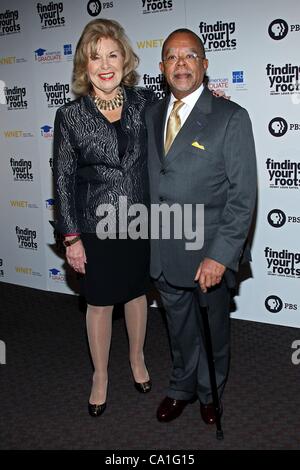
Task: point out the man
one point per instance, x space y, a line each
201 151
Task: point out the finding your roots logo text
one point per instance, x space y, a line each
51 14
56 95
283 80
282 263
9 22
26 238
21 169
155 83
15 98
283 174
218 36
156 6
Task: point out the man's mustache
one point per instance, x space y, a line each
183 72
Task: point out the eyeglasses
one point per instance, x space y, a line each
191 58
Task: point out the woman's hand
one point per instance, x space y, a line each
75 255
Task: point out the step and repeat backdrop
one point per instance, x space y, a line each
254 60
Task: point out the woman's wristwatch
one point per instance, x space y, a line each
71 242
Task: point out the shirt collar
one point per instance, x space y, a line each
190 99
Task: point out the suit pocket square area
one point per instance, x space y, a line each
198 146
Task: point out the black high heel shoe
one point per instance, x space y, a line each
96 410
143 387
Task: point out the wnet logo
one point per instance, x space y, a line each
26 238
57 95
276 218
156 6
283 263
26 271
15 98
23 270
218 36
8 60
21 169
150 43
20 204
283 80
283 174
51 14
155 83
9 22
15 134
278 29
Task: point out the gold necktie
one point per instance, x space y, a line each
174 125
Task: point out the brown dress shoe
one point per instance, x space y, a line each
170 409
208 412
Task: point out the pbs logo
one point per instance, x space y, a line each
94 7
273 304
278 127
276 218
278 29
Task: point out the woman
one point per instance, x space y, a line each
99 156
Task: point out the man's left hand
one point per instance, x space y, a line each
209 273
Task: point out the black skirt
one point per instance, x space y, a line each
117 271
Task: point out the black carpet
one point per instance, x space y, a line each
45 384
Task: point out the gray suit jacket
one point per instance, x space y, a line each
220 173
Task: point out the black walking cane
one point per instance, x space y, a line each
203 305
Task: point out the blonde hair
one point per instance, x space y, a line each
87 45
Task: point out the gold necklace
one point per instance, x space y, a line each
110 105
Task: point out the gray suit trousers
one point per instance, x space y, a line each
190 374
